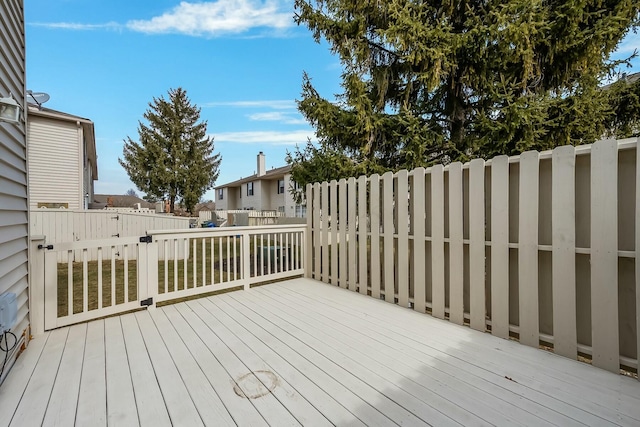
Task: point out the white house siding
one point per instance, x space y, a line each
255 201
276 201
14 231
54 162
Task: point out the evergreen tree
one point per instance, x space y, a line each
174 158
432 81
624 97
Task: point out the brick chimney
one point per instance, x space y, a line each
261 169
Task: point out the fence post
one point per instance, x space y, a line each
36 285
246 260
148 272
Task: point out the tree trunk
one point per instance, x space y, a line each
455 112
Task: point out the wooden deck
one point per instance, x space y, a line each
301 352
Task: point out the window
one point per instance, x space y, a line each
249 188
220 193
281 186
281 209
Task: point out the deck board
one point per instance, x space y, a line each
339 358
208 403
61 409
453 391
33 405
149 400
120 399
563 379
91 409
21 374
295 374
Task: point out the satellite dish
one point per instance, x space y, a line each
37 97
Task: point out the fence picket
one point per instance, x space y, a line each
528 249
456 244
604 255
333 213
388 240
351 224
563 221
308 271
402 265
418 227
324 206
500 246
317 236
437 241
374 210
342 206
476 245
362 234
637 255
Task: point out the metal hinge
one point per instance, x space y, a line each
146 239
115 235
146 302
49 247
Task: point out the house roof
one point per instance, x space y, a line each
628 78
87 128
269 175
55 114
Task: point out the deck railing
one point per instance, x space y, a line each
69 286
542 247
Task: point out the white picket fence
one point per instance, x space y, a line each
78 289
60 226
541 246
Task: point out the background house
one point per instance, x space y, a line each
62 159
14 215
266 190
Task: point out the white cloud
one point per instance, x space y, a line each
288 118
279 104
77 26
216 18
628 45
266 137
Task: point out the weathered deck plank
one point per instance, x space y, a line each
594 391
339 358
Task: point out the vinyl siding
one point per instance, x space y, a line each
13 170
54 162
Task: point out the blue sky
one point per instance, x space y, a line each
241 61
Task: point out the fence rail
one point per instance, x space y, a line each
541 246
161 266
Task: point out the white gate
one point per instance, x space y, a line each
77 289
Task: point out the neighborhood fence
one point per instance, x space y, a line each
71 226
145 273
240 217
541 246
